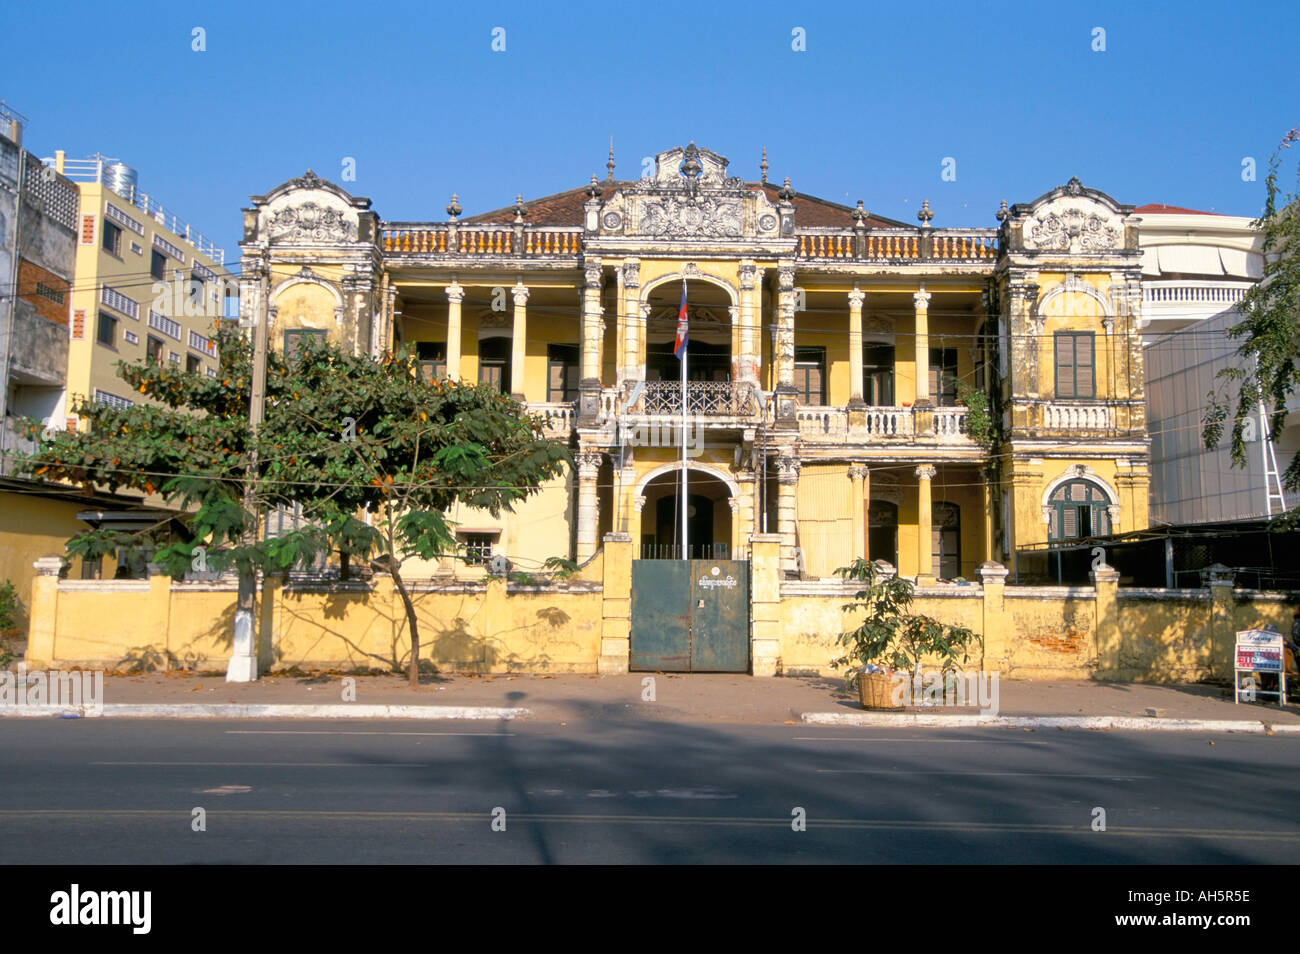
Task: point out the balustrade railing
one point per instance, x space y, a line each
970 245
707 398
1082 417
476 240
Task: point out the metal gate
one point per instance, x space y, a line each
690 615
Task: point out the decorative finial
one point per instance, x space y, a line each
594 189
860 214
519 207
763 166
785 193
1074 186
691 167
610 164
453 208
925 215
1002 214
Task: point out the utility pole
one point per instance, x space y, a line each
243 657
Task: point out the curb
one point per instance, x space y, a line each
244 711
1125 723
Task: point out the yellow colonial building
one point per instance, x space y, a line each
858 387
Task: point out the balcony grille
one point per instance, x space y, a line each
709 398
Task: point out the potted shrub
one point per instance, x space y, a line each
890 639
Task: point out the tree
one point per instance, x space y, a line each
369 454
1269 330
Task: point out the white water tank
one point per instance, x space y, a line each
121 178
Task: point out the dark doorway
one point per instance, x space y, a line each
882 531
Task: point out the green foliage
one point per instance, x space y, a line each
342 435
8 605
980 425
890 636
561 568
1269 331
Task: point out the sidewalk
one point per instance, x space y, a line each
677 697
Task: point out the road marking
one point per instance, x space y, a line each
324 732
910 741
1116 775
281 764
481 818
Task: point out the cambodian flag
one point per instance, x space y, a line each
679 345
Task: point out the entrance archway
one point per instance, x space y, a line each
708 521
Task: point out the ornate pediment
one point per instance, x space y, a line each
690 196
1071 219
309 210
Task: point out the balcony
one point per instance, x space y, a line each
557 417
443 240
903 425
898 246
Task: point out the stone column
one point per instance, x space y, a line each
743 516
784 356
924 515
858 474
1223 636
592 334
630 358
455 295
922 328
591 330
856 298
588 503
519 342
788 483
749 357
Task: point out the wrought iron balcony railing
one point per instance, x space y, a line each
706 398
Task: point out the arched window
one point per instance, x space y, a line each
1078 509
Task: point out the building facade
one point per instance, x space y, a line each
933 397
147 286
1197 267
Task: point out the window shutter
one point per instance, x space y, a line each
1065 376
1071 523
1084 366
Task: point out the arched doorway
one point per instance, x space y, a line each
711 356
708 517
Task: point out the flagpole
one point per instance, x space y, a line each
686 550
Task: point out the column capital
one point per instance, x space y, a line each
925 472
520 293
856 298
591 273
747 274
859 472
921 299
785 277
788 469
455 292
632 273
588 464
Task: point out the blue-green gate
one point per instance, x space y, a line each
690 615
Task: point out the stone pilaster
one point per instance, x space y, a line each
588 503
921 301
787 487
592 334
924 534
519 343
783 357
856 298
858 474
455 295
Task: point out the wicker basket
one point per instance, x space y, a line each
874 690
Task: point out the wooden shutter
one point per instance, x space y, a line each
1065 377
1083 366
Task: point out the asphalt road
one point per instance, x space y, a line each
124 792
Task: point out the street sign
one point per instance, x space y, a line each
1259 650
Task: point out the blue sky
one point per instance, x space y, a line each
870 109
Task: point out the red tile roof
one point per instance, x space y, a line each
565 208
1157 209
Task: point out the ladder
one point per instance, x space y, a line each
1273 493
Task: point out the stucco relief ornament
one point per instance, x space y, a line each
1073 229
682 218
311 222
